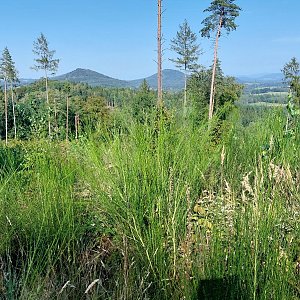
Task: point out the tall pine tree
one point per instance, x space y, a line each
187 49
13 80
9 75
223 14
47 63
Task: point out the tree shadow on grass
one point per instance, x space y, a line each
230 288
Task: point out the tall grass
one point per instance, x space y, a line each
154 211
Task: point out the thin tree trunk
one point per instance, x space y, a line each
5 109
212 88
55 117
159 56
76 126
185 96
13 109
48 106
76 134
67 120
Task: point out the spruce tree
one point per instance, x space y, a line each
223 14
13 80
187 49
9 75
47 63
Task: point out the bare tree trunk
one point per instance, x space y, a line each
159 56
185 96
48 106
13 109
67 120
76 131
76 126
5 109
55 118
78 118
212 88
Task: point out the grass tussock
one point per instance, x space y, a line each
155 211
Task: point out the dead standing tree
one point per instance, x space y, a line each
159 55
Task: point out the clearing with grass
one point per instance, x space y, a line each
182 185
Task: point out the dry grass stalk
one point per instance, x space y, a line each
246 186
65 286
223 156
280 173
91 285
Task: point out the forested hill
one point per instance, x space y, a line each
173 80
92 78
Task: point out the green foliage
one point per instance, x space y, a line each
32 119
186 47
293 118
224 10
228 91
94 111
293 110
7 67
96 107
44 60
143 103
32 111
291 72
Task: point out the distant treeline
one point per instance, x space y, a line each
269 90
265 97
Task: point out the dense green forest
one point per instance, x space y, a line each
141 193
99 107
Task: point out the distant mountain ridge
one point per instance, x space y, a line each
92 78
172 79
261 78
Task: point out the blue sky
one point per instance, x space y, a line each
118 37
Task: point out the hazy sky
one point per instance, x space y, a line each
118 37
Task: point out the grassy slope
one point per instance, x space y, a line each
154 212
